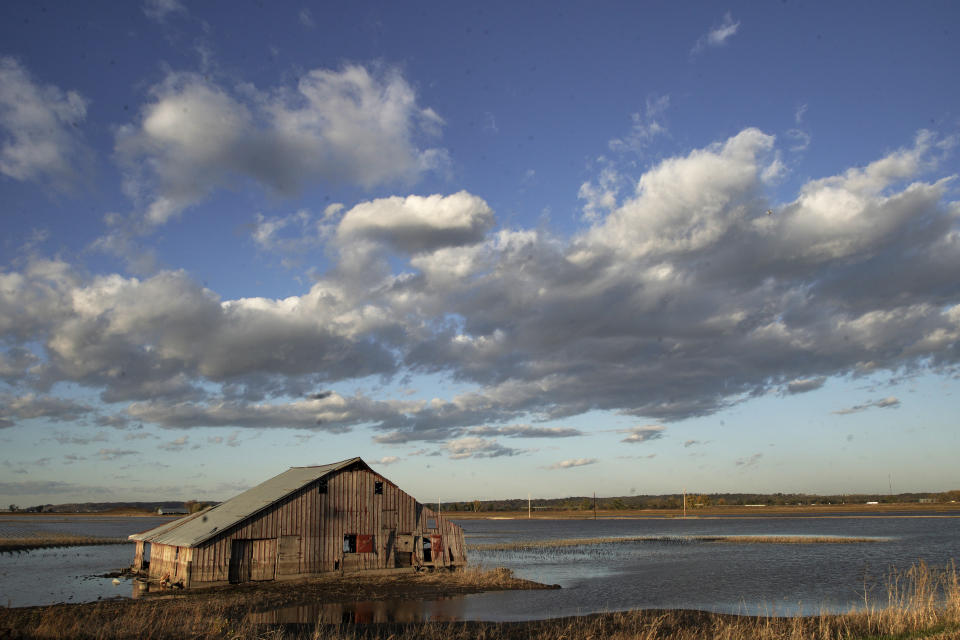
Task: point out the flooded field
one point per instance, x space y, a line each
670 569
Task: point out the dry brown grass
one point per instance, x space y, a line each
573 542
921 602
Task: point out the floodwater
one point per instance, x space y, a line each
783 579
67 574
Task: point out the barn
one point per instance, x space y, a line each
306 521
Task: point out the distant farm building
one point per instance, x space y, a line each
307 520
168 511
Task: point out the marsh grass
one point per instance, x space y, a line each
921 602
49 540
576 542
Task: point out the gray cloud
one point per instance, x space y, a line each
805 384
577 462
351 125
66 438
177 444
750 462
113 454
31 406
470 447
38 123
883 403
643 434
416 224
51 488
526 431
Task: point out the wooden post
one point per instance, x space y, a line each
684 503
594 505
528 506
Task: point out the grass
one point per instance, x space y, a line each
921 602
574 542
47 540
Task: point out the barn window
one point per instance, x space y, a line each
431 523
378 488
353 543
322 486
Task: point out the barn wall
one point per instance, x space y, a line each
138 556
171 562
309 529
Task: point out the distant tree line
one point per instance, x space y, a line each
694 501
191 506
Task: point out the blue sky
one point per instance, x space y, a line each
553 248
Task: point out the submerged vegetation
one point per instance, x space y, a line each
47 540
920 602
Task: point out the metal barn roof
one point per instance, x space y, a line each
200 527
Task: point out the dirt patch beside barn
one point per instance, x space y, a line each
406 585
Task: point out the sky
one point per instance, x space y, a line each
493 248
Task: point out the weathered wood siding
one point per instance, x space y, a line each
308 529
170 561
138 557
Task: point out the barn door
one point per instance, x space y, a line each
253 560
241 557
288 556
263 566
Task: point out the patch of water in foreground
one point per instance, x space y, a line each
64 574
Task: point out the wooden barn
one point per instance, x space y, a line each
308 520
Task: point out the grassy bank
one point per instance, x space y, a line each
921 602
26 543
574 542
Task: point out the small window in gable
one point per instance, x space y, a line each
322 486
378 488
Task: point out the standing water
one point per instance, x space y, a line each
674 572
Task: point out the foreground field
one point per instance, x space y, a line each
921 603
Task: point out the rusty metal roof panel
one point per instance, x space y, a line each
194 530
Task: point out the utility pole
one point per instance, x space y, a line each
528 506
594 505
684 502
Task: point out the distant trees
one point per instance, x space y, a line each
675 501
193 506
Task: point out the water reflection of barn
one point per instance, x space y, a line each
307 520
